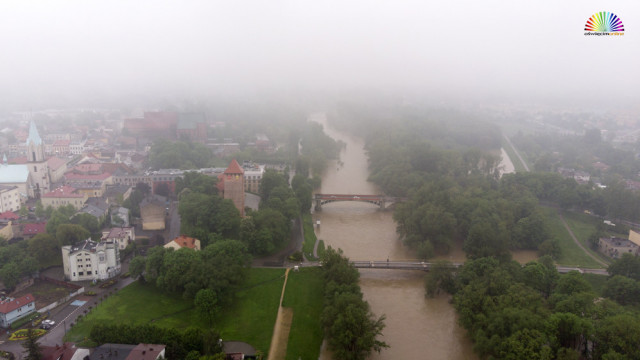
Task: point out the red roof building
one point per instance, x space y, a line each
9 215
146 352
33 229
183 241
14 309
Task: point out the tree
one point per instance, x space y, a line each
163 189
441 276
628 265
137 266
57 218
31 346
39 209
10 274
43 247
206 302
69 234
87 221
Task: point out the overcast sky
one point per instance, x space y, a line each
490 49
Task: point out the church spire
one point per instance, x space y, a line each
34 136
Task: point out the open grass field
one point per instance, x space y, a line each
583 226
305 294
309 237
517 164
572 255
250 318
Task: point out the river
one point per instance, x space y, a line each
416 327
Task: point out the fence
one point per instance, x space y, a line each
61 301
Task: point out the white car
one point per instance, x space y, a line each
47 324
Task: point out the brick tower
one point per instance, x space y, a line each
233 179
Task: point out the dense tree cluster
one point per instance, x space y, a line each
317 148
351 329
219 267
166 154
532 312
180 343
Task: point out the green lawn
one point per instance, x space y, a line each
572 255
305 294
583 227
517 164
309 237
253 315
250 318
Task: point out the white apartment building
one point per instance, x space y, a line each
90 260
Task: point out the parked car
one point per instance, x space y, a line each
47 324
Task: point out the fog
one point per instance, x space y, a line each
495 51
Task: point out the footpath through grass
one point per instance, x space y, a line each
572 254
305 294
250 318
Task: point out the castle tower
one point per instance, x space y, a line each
36 162
233 179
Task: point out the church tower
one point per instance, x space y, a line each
36 162
233 179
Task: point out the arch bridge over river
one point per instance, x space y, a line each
381 200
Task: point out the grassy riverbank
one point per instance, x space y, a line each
305 295
309 237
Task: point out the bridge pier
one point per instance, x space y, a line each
382 204
318 206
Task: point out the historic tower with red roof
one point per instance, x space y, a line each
233 183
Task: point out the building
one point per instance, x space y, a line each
614 247
90 260
68 351
122 236
183 241
10 198
192 127
30 230
57 168
36 162
231 184
14 309
17 175
128 352
64 195
153 215
61 147
252 176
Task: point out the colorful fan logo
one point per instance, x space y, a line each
604 22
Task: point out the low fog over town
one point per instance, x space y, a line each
319 180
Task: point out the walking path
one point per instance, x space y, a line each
278 348
566 226
526 167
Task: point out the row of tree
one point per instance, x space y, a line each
351 329
532 312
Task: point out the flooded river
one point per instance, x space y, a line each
417 327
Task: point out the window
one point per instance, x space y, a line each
88 272
80 273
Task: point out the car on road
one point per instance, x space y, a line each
47 324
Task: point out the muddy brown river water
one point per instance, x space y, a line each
416 327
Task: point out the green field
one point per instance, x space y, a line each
517 164
309 237
304 294
583 227
572 255
250 318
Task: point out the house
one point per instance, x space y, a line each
61 147
10 198
90 260
615 247
183 241
68 351
147 352
96 207
64 195
252 176
123 236
152 214
14 309
128 352
57 168
238 350
30 230
8 216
